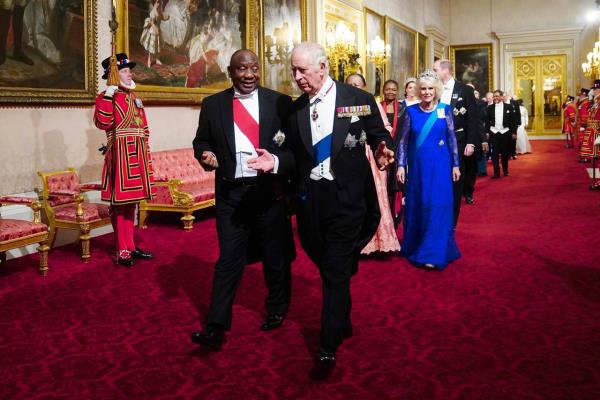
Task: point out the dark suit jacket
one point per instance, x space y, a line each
465 122
508 121
215 131
350 166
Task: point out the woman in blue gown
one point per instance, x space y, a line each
428 162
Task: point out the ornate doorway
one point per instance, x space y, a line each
540 81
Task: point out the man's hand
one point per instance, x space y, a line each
469 149
265 162
485 147
209 159
455 174
383 156
401 175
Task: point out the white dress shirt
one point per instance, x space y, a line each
447 94
324 103
244 150
499 119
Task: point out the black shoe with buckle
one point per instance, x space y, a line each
323 366
272 321
125 259
141 254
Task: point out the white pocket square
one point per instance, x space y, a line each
354 119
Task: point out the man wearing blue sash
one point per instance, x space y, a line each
338 211
428 162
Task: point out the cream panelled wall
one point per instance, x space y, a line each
41 138
519 25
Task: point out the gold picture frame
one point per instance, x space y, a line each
374 75
422 53
64 67
403 41
195 58
334 12
281 28
474 63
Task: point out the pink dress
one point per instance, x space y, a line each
385 238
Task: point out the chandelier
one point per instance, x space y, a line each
342 51
378 52
591 68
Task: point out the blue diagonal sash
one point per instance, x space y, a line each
323 149
428 125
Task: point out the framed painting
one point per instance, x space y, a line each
343 38
474 64
182 47
49 55
423 54
374 74
283 27
402 62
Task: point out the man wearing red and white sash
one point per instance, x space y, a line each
241 134
127 172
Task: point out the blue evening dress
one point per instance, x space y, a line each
428 161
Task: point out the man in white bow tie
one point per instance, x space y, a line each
468 139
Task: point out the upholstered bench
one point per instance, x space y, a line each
182 185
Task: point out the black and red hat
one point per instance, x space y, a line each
585 91
122 62
596 84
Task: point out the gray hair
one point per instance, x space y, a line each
315 51
433 81
446 64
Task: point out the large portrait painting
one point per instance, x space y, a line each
402 62
284 26
183 47
48 52
374 27
473 64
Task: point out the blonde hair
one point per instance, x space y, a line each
431 81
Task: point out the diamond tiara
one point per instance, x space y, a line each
428 74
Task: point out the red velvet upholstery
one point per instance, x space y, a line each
16 200
179 164
15 229
200 191
91 212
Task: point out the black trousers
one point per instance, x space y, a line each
329 226
467 178
470 172
502 149
248 216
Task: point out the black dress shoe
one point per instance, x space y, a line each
273 321
469 200
141 254
126 262
506 174
324 365
495 176
583 161
213 339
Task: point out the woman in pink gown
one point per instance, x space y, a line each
385 239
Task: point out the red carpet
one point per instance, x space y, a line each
518 317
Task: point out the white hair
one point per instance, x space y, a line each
315 51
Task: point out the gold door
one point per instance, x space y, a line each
540 82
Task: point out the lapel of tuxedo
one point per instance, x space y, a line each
264 122
304 123
455 94
227 119
341 125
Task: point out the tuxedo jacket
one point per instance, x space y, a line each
509 119
349 164
216 133
466 116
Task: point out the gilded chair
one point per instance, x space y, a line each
16 233
65 207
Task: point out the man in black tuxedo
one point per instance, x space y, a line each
501 124
337 210
516 110
464 108
241 134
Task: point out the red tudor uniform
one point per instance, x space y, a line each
592 127
127 171
582 118
569 118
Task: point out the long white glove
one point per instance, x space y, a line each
110 91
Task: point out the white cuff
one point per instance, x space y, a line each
276 165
